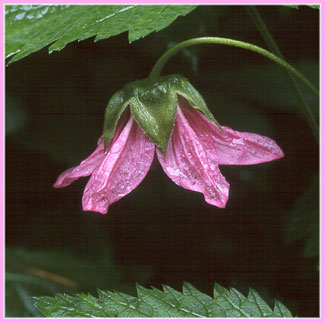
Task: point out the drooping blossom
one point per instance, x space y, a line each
195 150
116 170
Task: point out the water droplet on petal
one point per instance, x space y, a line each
238 141
115 149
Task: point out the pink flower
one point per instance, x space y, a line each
195 150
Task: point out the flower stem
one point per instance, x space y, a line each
155 72
267 36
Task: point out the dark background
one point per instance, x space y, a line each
54 115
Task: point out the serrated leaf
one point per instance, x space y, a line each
280 310
156 303
29 28
46 272
123 305
257 305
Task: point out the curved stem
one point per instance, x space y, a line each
155 72
264 31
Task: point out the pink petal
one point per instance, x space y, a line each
188 165
230 147
122 170
85 168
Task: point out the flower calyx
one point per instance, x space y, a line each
153 105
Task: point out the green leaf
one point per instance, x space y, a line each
29 28
156 303
46 272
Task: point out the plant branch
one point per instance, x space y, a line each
155 72
271 43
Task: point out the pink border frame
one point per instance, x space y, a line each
2 177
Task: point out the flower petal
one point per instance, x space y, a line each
85 168
188 165
230 147
122 170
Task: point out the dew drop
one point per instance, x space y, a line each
239 141
116 148
20 16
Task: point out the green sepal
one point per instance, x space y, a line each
154 106
183 87
116 106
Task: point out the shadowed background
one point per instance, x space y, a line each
266 237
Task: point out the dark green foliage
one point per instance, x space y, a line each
29 28
156 303
32 273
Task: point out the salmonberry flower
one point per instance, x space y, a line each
168 117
